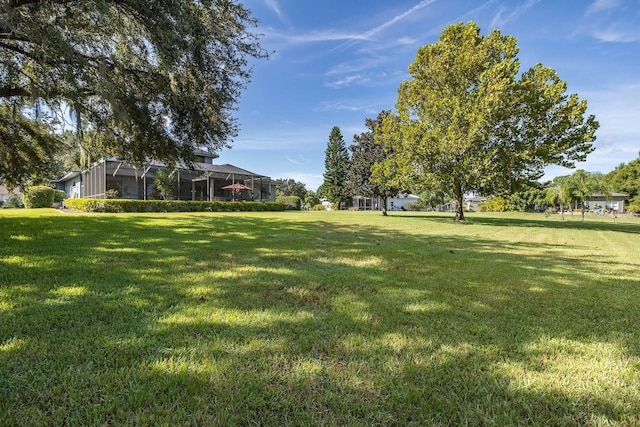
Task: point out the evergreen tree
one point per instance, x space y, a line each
335 165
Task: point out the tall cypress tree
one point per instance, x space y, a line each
335 165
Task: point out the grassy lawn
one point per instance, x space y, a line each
317 318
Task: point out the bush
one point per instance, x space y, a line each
495 204
416 206
634 204
291 202
59 196
112 193
129 205
39 196
318 207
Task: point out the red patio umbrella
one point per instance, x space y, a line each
236 188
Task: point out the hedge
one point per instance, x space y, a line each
129 205
59 196
38 196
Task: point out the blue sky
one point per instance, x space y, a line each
335 63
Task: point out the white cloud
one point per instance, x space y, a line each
502 17
290 160
600 5
616 108
275 7
342 106
369 34
406 41
398 18
312 37
608 21
311 180
349 81
616 35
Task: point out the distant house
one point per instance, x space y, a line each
471 203
205 181
399 202
7 193
396 203
608 202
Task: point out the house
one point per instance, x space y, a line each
205 181
399 202
607 202
8 193
396 203
471 203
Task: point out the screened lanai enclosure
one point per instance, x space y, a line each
124 181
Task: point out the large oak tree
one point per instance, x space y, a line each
154 78
467 120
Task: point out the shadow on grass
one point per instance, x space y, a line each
221 319
601 223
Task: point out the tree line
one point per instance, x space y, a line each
157 80
468 120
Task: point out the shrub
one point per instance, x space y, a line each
291 202
318 207
495 204
112 193
129 205
634 204
416 206
38 196
59 196
165 184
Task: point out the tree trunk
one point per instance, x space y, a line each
459 210
561 212
384 206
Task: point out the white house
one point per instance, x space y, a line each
399 202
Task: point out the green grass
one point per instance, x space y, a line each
318 318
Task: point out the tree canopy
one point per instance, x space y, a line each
625 178
291 187
467 120
155 79
366 152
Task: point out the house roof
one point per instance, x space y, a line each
228 169
200 169
205 153
608 194
405 196
68 176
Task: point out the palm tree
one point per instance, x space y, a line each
585 184
561 194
